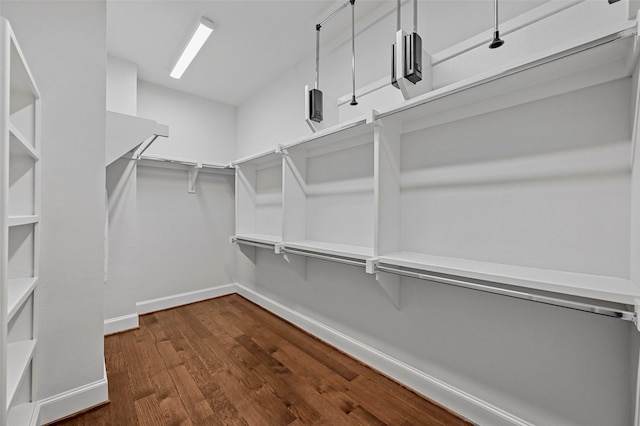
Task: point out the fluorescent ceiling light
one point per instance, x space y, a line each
199 36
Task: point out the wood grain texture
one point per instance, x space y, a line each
226 361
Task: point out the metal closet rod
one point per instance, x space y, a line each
328 18
487 287
339 259
254 243
183 162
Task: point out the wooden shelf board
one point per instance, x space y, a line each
20 144
23 220
598 287
260 238
22 414
334 249
19 290
19 355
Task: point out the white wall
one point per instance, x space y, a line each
122 86
199 129
183 238
120 288
64 43
544 364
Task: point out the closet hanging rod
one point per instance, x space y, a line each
339 259
487 287
238 240
328 18
184 162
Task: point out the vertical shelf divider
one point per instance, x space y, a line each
387 236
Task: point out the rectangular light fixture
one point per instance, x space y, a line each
199 36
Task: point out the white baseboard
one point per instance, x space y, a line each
122 323
73 401
168 302
463 403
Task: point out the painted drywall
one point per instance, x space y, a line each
544 364
120 287
122 86
183 238
199 129
65 46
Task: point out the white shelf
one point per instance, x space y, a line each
22 414
613 46
346 131
583 285
22 189
22 220
19 356
19 290
332 249
259 238
184 164
262 157
20 144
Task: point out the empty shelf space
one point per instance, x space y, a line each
20 144
23 220
331 249
19 356
597 287
19 290
21 414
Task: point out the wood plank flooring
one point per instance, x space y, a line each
227 361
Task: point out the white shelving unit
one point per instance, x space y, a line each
542 199
329 193
259 200
519 182
20 232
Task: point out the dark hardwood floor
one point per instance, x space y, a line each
227 361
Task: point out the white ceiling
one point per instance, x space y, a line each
256 40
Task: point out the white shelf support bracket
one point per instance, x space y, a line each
298 263
372 116
636 319
193 177
390 283
370 265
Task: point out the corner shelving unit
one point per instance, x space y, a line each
259 200
329 193
20 232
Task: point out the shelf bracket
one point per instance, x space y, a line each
298 263
193 176
390 283
636 318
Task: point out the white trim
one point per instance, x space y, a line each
461 402
121 323
73 401
168 302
